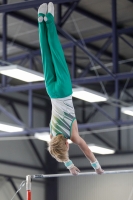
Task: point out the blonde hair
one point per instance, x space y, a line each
58 149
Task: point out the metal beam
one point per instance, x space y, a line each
26 5
4 41
96 17
68 13
73 64
37 86
85 50
115 63
128 43
128 94
93 126
98 55
104 112
41 176
11 116
91 15
23 102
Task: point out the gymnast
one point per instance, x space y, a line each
63 124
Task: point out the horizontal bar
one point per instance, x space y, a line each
40 176
25 5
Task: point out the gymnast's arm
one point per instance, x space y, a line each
83 146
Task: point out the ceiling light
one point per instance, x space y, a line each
21 73
45 137
100 150
127 110
88 95
10 128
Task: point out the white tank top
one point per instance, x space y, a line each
62 118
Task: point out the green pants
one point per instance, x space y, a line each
56 73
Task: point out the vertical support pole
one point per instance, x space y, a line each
28 187
51 169
73 61
4 42
30 100
115 62
58 14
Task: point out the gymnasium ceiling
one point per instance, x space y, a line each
23 37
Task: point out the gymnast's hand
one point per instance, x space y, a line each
99 171
74 170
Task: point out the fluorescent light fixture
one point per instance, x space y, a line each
42 136
45 137
10 128
127 110
88 95
111 64
100 150
21 73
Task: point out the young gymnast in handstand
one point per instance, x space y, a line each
63 123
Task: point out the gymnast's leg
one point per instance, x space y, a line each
63 85
48 68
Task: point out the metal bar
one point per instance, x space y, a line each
128 94
91 15
11 116
98 55
95 17
104 112
28 197
36 86
4 42
37 153
40 176
30 113
34 22
22 102
15 111
84 49
91 115
114 36
68 13
115 63
74 61
28 187
30 109
97 125
27 5
128 43
118 113
59 13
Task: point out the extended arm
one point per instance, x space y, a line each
83 146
